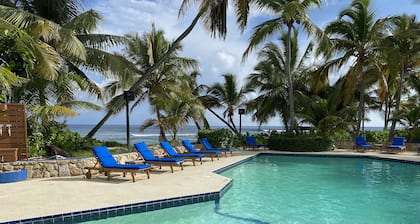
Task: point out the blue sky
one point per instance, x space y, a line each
216 56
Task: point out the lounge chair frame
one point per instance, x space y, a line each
107 171
360 143
177 155
156 163
209 147
252 142
398 143
190 149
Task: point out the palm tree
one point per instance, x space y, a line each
197 100
70 34
355 37
271 82
213 13
144 51
21 33
228 96
402 47
288 14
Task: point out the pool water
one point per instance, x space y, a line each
297 189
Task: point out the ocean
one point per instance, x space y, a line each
151 135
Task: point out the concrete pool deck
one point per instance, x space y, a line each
52 196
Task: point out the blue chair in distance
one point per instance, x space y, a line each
398 143
108 164
208 146
190 148
251 141
172 153
361 143
150 158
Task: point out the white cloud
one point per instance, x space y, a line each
216 56
227 59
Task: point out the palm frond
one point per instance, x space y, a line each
85 22
49 61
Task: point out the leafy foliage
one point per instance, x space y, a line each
217 137
59 135
299 143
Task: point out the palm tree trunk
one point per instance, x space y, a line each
290 81
197 125
99 125
162 135
386 117
360 108
233 124
147 74
397 104
224 121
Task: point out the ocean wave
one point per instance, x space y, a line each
157 135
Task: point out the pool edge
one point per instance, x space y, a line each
140 207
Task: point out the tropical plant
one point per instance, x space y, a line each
213 13
226 95
160 88
52 44
270 79
355 37
402 48
287 14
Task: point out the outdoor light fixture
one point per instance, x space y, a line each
240 111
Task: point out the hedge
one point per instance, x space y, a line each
217 137
299 143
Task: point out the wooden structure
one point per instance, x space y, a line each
13 135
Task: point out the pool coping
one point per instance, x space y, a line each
112 211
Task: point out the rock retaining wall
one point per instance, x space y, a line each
67 167
58 167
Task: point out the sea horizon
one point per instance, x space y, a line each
118 132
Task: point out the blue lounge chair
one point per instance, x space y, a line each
398 143
208 146
361 143
172 153
150 158
190 148
251 141
108 164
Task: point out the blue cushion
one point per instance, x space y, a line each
395 146
208 146
108 161
187 144
398 141
148 155
172 153
168 148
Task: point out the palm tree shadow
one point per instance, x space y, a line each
239 218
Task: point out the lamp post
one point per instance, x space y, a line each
128 96
240 111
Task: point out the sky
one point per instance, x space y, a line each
216 56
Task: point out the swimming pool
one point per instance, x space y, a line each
298 189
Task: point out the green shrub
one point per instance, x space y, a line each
414 135
60 136
36 143
376 136
299 143
217 137
342 135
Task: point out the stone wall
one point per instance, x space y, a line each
68 167
59 167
